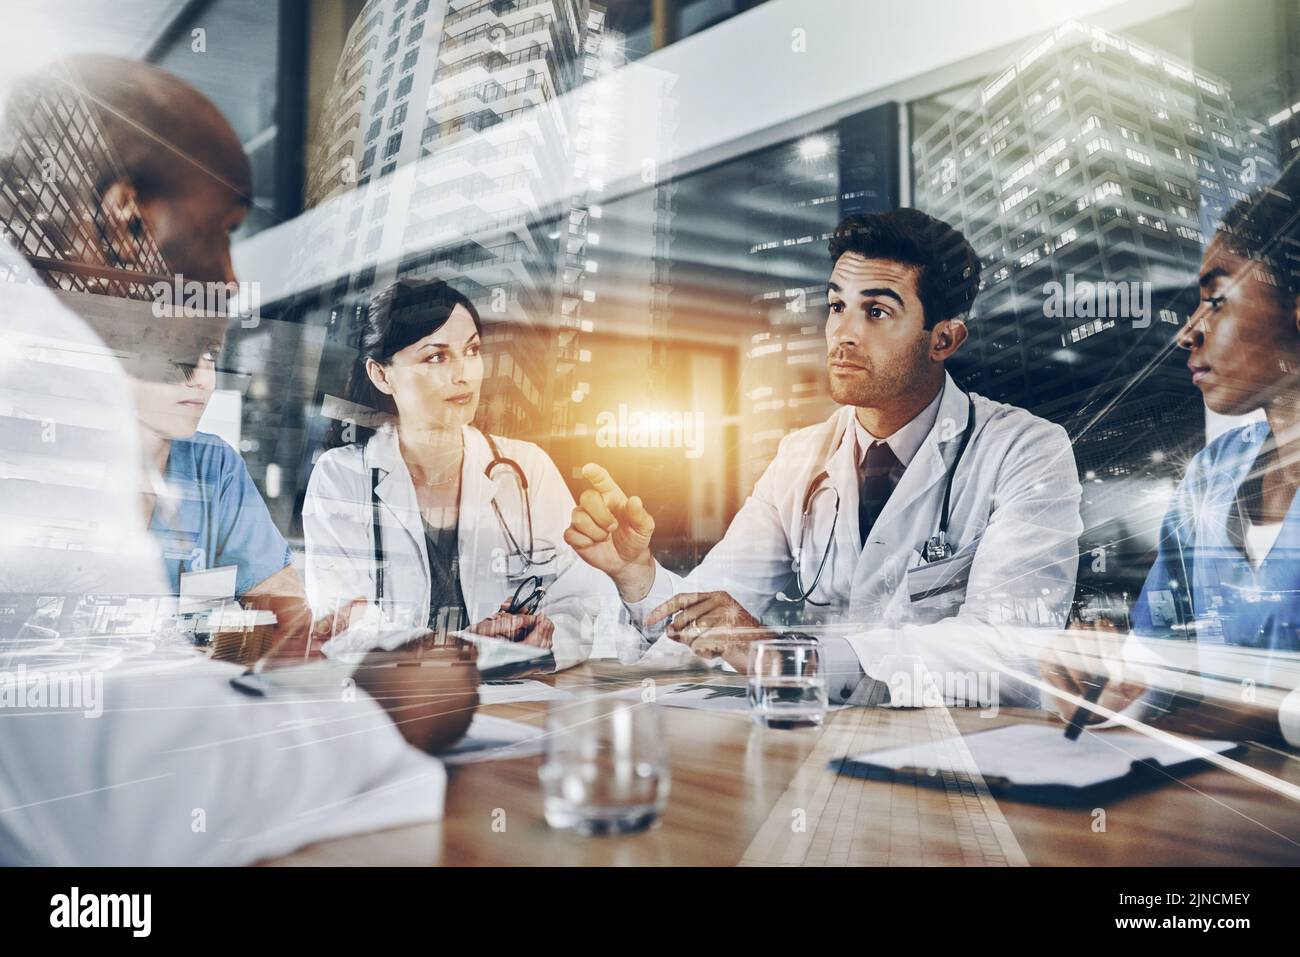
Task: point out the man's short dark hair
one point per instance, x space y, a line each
948 271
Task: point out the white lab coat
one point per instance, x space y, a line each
1014 531
183 770
338 528
174 766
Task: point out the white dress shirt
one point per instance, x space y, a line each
839 661
906 441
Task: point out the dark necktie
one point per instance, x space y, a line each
879 477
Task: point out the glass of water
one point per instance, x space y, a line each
606 765
787 686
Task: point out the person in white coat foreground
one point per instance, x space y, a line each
121 745
920 526
429 521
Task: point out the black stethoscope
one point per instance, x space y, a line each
936 549
523 557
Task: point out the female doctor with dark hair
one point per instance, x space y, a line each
428 520
1221 601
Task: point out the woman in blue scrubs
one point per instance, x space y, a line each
1228 567
203 508
207 513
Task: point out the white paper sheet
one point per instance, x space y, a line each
493 739
519 689
1035 754
702 696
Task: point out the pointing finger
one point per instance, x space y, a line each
604 483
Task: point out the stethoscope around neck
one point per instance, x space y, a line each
522 555
936 549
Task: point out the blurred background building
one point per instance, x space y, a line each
1097 163
638 193
467 95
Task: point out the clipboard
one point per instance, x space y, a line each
1035 763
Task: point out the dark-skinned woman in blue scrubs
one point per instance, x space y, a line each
1221 603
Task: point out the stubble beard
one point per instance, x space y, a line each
872 389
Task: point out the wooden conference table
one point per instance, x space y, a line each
745 795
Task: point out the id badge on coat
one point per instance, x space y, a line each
941 585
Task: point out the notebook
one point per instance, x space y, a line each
1036 763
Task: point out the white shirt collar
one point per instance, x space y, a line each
904 443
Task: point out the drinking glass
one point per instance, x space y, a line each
787 686
606 765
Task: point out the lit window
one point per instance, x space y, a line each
1137 156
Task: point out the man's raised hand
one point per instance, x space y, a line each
611 532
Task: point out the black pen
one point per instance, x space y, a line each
1095 687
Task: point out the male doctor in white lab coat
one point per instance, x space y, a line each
901 288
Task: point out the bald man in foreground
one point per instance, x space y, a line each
159 759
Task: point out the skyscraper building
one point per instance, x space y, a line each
1087 174
465 99
799 192
792 201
